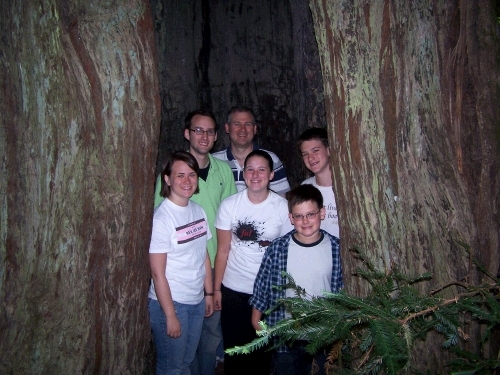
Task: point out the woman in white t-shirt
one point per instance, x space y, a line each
246 223
180 268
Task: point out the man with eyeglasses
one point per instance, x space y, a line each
215 183
242 127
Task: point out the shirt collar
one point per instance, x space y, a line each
230 156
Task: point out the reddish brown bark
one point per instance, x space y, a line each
412 96
80 120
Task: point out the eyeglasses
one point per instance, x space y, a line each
200 131
310 215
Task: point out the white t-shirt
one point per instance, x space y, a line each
310 265
182 233
331 222
253 227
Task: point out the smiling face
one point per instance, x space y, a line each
316 156
183 182
307 228
241 129
203 143
257 173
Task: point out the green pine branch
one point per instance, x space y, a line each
377 333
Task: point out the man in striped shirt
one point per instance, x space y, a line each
241 127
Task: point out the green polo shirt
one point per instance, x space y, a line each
218 186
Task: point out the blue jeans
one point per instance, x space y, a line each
211 337
173 356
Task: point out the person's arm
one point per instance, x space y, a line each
223 246
209 288
158 264
256 317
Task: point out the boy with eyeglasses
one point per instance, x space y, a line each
215 183
312 257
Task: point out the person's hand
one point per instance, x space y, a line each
209 306
173 327
256 318
256 325
217 300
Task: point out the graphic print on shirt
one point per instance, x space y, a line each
331 213
191 231
251 232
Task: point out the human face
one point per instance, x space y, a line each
307 229
316 156
200 144
257 174
183 182
241 129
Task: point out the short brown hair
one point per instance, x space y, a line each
318 134
201 112
304 193
184 156
239 108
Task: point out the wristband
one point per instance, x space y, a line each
208 294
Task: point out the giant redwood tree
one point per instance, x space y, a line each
412 92
411 97
79 114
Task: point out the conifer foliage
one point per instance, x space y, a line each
375 334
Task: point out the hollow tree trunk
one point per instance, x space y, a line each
412 104
80 118
262 54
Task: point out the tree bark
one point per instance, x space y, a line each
412 93
80 119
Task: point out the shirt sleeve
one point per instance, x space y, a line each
337 278
158 197
223 219
209 232
229 185
279 184
161 241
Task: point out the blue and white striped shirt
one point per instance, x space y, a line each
279 184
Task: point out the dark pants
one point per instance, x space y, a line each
297 361
237 330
